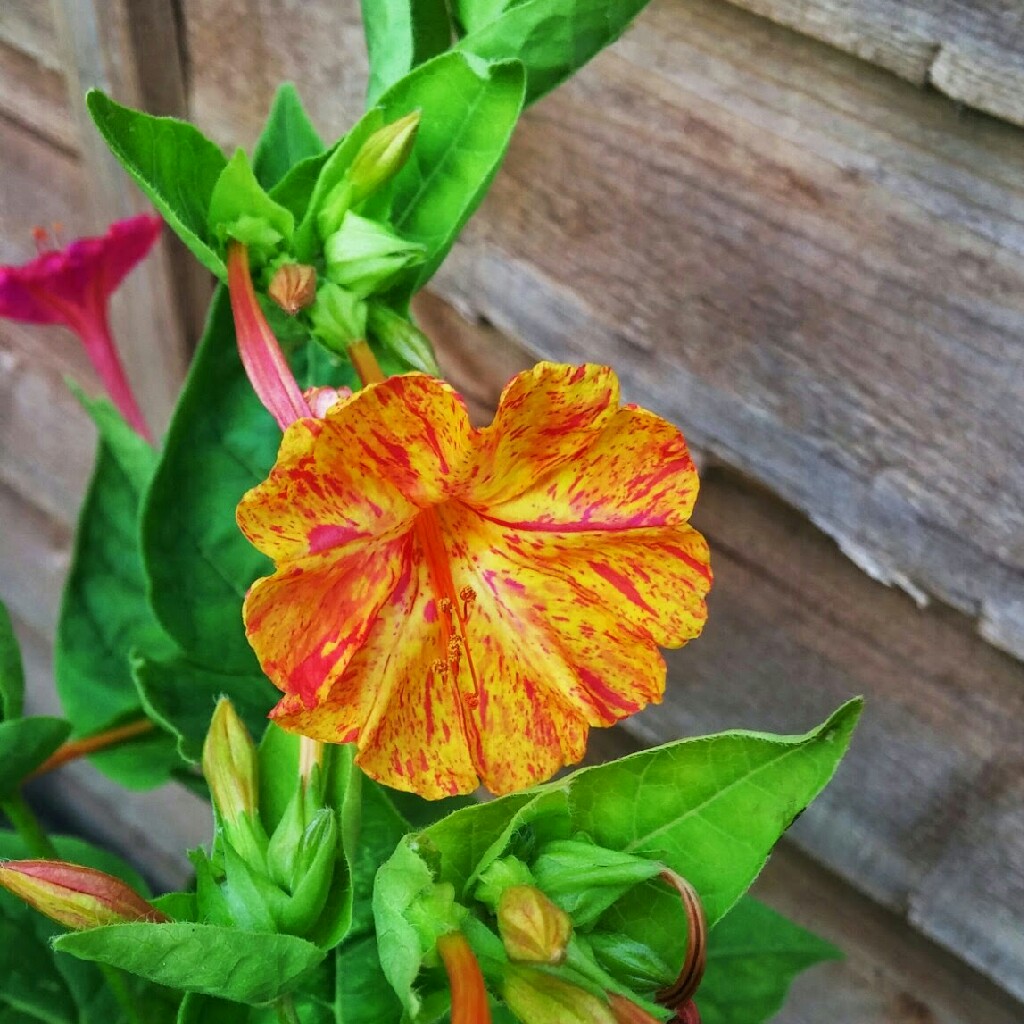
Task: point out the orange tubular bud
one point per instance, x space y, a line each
74 896
626 1011
533 929
469 997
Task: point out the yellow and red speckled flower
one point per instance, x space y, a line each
465 603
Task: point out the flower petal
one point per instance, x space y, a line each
306 621
546 418
634 471
362 471
407 718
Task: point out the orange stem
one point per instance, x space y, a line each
469 996
365 363
90 744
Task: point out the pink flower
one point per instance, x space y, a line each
72 287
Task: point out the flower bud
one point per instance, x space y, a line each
536 997
74 896
402 338
469 996
382 156
688 1013
229 765
532 928
293 287
364 256
626 1011
322 399
338 317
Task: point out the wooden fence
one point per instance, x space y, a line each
796 227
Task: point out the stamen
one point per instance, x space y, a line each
42 239
468 596
439 667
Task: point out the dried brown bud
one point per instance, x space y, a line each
533 929
293 287
74 896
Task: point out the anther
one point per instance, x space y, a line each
42 238
439 667
468 596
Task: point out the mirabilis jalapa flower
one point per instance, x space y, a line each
72 287
463 604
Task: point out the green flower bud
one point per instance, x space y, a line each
241 210
532 928
74 896
229 765
536 997
402 338
339 317
365 256
498 876
382 156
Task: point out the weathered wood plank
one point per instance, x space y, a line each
972 52
35 96
795 629
822 284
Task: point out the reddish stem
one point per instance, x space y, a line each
469 996
264 362
365 363
91 744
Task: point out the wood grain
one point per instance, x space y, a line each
973 52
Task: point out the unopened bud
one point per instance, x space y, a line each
536 997
626 1011
402 338
469 995
293 287
688 1013
532 928
382 156
229 765
338 317
74 896
364 256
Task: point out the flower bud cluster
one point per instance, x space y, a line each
278 882
332 269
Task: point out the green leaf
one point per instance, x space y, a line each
181 696
363 994
753 956
710 808
287 138
468 110
172 162
12 674
553 38
25 743
104 612
221 442
240 209
198 1009
401 35
247 967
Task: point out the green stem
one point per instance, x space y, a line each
25 823
286 1011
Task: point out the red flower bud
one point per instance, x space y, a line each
74 896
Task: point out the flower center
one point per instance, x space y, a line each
453 607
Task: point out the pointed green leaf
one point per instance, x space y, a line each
12 673
240 209
287 139
247 967
104 612
401 35
181 696
754 954
25 743
172 162
553 38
